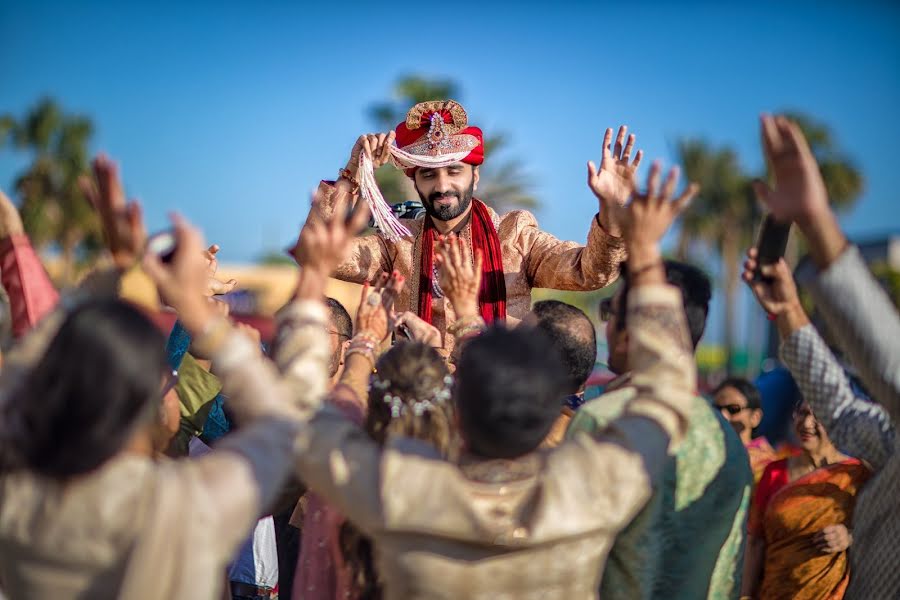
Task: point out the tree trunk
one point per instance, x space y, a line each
69 245
730 271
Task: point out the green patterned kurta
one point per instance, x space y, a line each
688 542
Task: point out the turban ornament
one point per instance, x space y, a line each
447 140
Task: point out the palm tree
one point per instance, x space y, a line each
721 219
504 183
53 209
725 216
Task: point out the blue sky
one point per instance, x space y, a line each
231 111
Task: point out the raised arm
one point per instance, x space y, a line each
633 448
857 426
366 256
30 291
857 310
551 263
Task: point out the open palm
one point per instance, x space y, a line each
613 183
799 193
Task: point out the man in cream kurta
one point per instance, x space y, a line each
530 257
514 528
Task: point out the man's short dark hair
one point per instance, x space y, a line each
747 390
509 385
696 291
573 335
340 318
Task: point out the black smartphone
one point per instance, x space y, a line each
771 243
163 244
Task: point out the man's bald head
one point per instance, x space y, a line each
573 337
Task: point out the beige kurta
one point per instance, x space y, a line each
531 258
139 529
512 529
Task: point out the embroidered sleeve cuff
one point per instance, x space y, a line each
303 310
654 295
599 235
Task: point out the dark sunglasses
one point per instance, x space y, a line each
171 382
732 409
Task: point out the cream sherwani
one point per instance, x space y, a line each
531 258
140 529
512 529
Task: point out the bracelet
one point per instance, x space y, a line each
348 176
365 336
364 346
368 354
466 325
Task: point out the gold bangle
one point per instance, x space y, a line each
466 324
346 175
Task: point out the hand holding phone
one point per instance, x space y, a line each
771 244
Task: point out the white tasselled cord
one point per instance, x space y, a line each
385 220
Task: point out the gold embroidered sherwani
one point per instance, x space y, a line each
140 529
512 529
531 258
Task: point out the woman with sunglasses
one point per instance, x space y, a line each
799 526
740 404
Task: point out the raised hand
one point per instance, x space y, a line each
374 317
615 180
123 224
776 292
418 329
183 282
215 286
324 242
799 194
458 274
376 145
650 214
10 219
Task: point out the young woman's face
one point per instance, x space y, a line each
810 432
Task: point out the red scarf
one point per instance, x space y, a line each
492 295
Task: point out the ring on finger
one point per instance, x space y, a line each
374 299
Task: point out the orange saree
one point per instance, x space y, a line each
788 514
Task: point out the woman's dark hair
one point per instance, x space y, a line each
78 405
415 372
746 389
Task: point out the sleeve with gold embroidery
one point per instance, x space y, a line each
368 255
555 264
661 357
247 469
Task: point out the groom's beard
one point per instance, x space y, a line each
447 211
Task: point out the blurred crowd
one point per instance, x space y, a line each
439 443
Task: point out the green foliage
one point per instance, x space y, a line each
53 209
504 182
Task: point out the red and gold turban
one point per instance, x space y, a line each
435 130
